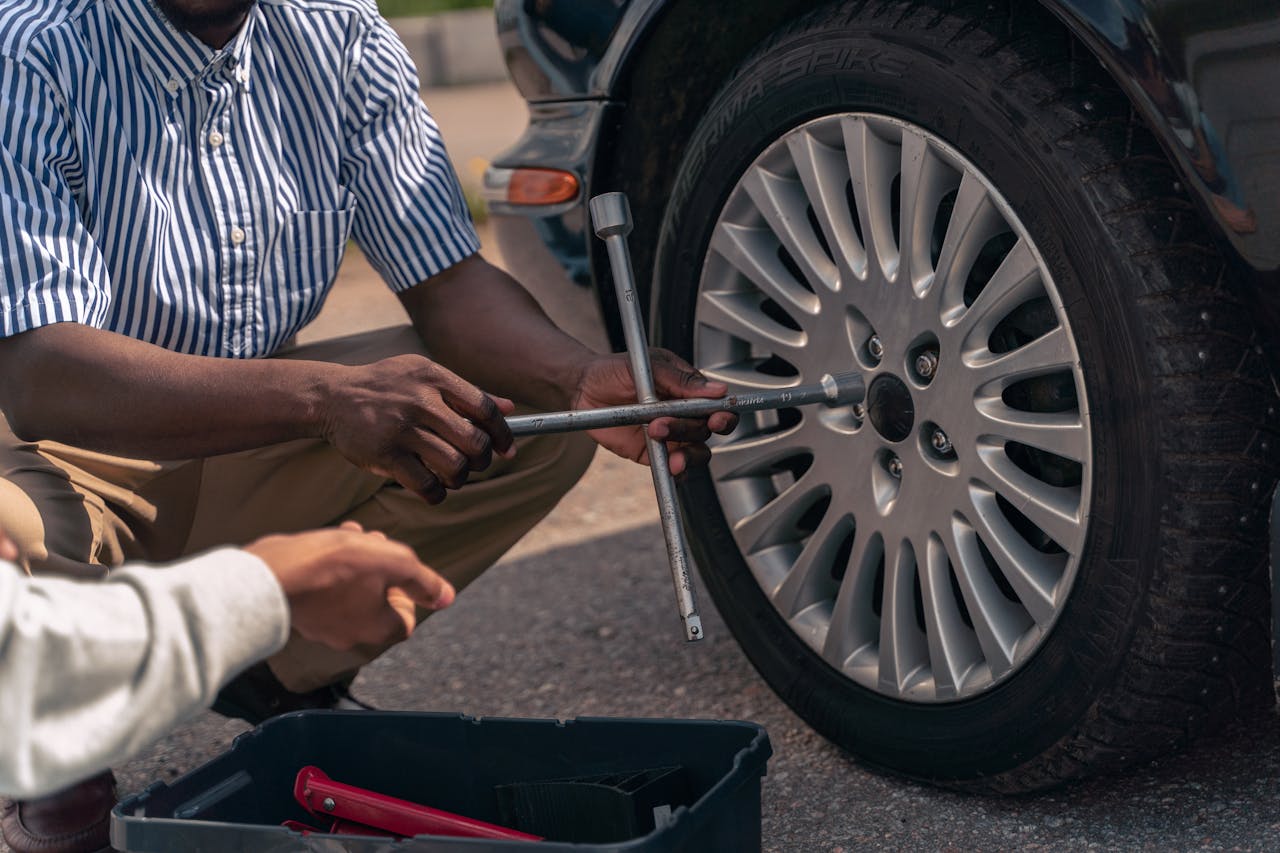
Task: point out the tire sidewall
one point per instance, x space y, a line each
908 76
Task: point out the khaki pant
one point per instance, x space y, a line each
76 512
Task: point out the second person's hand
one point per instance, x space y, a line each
346 587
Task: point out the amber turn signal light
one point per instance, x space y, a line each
541 186
530 186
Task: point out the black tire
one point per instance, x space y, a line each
1166 626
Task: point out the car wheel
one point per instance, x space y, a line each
1036 550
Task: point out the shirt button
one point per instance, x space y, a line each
237 236
173 86
216 139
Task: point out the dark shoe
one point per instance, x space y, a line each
74 820
256 695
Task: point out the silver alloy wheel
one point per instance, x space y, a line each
926 548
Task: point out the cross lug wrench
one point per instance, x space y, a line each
611 215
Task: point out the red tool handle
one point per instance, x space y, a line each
321 795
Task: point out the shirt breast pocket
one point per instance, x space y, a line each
310 249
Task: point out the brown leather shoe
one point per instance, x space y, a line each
74 820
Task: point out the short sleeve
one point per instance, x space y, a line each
411 218
50 269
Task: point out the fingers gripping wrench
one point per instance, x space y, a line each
612 218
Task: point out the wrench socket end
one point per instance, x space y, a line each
844 389
611 215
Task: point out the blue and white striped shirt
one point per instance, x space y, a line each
199 199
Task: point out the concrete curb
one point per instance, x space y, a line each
453 48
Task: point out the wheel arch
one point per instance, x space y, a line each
640 152
700 42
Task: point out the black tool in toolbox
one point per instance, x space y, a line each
600 808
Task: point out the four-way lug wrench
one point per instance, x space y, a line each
612 218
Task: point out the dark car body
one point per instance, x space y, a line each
615 88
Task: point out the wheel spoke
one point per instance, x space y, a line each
811 574
913 158
974 221
755 454
1031 574
926 180
824 171
997 622
953 647
853 622
873 165
773 522
782 203
1060 433
739 315
1016 280
902 646
753 252
1052 352
743 375
1053 509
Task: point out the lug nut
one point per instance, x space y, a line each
895 467
876 347
927 364
941 442
859 411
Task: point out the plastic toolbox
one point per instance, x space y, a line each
641 785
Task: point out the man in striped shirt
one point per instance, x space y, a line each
177 184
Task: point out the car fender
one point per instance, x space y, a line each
1197 74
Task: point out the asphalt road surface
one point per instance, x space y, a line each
579 620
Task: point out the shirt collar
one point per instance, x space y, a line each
175 57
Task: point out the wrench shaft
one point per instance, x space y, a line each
844 389
611 216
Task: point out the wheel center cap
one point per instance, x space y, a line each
890 407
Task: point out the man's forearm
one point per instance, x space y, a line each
105 392
480 323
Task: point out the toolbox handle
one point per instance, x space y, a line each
320 795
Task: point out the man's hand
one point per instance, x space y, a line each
347 588
607 381
411 420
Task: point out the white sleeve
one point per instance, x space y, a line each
93 672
